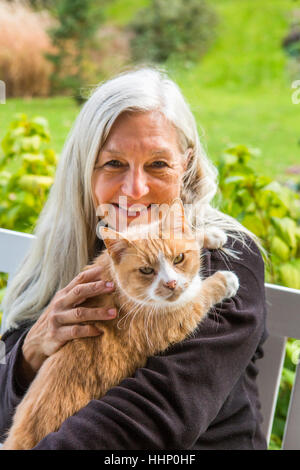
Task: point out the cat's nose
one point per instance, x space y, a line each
170 284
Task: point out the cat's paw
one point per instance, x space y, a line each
232 283
214 238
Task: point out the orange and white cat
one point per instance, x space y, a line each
160 297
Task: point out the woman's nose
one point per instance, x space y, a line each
135 184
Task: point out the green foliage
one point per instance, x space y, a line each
27 168
268 209
78 21
272 212
183 28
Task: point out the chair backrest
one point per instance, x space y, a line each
283 322
13 248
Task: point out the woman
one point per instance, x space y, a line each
136 138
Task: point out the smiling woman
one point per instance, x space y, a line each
133 146
141 161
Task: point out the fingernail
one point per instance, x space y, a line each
109 284
112 312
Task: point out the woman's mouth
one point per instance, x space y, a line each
134 210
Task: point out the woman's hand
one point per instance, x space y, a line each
60 322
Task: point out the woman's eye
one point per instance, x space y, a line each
147 270
159 164
113 163
179 258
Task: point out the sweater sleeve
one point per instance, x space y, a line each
12 389
170 403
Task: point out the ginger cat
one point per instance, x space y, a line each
160 298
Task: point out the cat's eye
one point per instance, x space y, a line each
147 270
179 258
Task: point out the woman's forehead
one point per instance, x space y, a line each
150 132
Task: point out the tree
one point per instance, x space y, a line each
77 23
180 27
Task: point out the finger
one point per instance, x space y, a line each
92 274
82 314
81 292
67 333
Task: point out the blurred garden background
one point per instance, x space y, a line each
237 63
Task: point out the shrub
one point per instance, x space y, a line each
27 169
268 209
180 27
23 42
73 38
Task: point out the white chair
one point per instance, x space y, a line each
283 322
13 247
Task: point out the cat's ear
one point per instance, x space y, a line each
115 243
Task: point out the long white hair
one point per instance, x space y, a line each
66 228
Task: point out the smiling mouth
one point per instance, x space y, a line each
133 212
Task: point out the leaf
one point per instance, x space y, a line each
289 377
30 182
50 156
255 224
229 159
280 248
290 276
235 179
32 143
286 228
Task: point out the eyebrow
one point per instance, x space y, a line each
153 151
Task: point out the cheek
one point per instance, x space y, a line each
103 188
167 186
135 285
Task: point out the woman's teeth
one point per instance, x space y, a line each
134 211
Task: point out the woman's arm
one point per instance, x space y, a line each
12 384
28 346
172 401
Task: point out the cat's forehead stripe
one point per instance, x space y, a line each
153 247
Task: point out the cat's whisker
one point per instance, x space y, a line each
125 317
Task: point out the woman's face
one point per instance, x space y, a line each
140 164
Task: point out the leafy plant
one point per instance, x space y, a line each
183 27
272 212
267 208
27 168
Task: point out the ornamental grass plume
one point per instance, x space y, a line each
23 43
